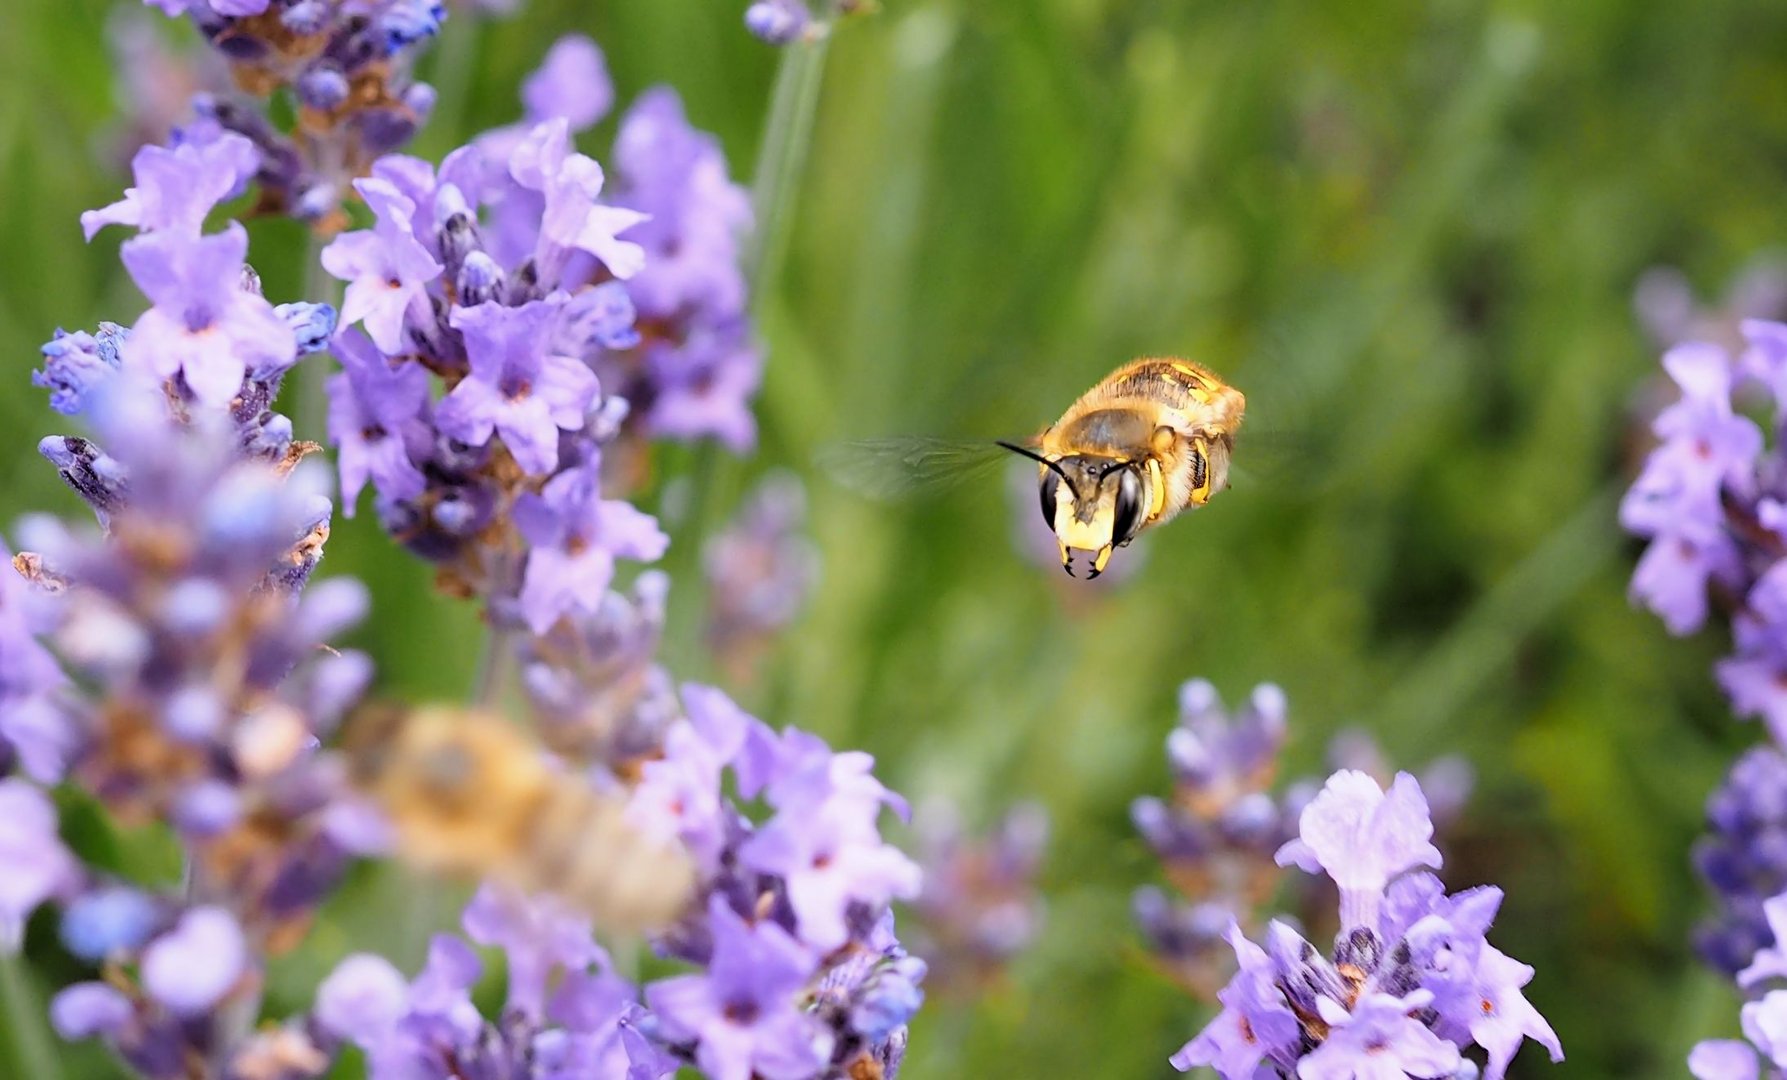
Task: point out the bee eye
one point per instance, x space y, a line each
1051 480
1129 506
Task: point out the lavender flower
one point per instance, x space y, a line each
516 388
1711 499
980 905
204 328
1742 859
386 270
1412 982
176 187
1667 309
741 1016
38 866
1218 832
759 572
318 49
695 371
1765 1026
778 22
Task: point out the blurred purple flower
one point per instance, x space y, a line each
37 865
778 22
1765 1025
191 967
571 84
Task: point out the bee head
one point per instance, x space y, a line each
1091 502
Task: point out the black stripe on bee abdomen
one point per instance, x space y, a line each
1161 381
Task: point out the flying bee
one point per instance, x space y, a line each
1149 441
469 794
1152 439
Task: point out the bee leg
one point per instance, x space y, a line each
1200 471
1157 490
1098 564
1066 557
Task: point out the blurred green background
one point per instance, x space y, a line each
1410 230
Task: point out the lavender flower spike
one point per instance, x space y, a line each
1412 982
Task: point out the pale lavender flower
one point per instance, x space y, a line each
1765 1026
1254 1019
387 271
1378 1039
829 858
778 22
37 865
204 327
177 186
190 968
362 999
572 219
1362 837
571 83
574 536
539 934
376 411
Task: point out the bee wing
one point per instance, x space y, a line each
900 467
1290 461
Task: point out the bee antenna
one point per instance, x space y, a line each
1052 466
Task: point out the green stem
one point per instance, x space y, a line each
454 60
33 1051
493 668
781 160
782 157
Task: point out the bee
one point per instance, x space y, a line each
1150 440
469 794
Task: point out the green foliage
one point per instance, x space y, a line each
1410 230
